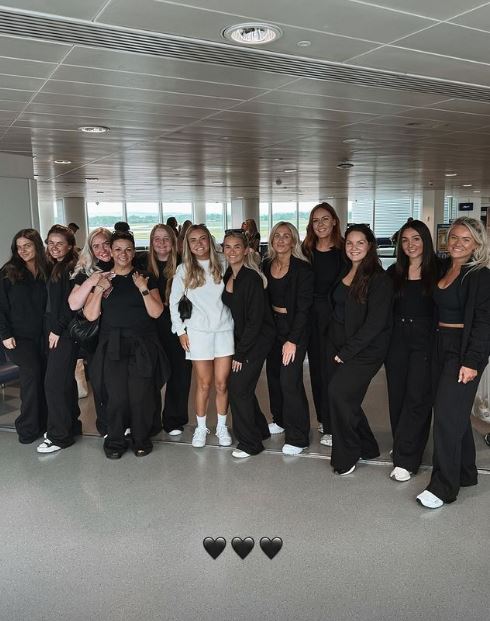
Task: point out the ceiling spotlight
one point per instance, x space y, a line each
303 43
62 162
91 178
476 191
94 129
252 33
349 140
289 170
345 165
450 174
467 185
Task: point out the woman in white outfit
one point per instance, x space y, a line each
207 336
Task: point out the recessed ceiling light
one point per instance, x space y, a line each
289 170
278 159
217 182
62 162
450 174
94 129
91 178
476 190
330 197
238 196
303 43
467 185
345 165
99 192
252 33
349 140
449 196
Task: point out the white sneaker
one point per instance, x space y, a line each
289 449
429 500
127 433
273 428
350 471
199 437
400 474
223 435
320 428
240 454
175 432
48 447
326 439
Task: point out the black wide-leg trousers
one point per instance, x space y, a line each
352 438
130 399
408 375
176 408
99 399
454 457
30 356
317 361
61 393
249 423
287 395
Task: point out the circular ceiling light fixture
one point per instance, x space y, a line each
252 33
91 178
450 174
289 170
467 185
345 165
64 162
94 129
303 43
350 140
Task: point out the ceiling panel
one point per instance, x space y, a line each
69 8
480 18
27 49
28 68
21 83
463 105
439 9
15 95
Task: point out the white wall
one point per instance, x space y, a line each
18 209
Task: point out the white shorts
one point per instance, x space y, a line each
209 345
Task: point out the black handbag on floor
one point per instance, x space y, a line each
185 307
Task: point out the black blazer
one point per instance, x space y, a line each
369 324
475 346
254 329
299 297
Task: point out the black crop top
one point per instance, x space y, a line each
277 291
339 297
412 302
449 302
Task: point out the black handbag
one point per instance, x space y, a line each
82 330
185 307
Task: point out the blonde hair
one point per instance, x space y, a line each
87 261
296 250
249 260
171 266
481 255
194 273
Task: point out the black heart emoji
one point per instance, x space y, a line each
214 547
243 547
271 547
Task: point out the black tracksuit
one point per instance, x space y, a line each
254 334
326 267
361 342
60 385
22 308
454 448
288 402
408 372
175 412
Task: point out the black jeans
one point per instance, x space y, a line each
408 374
30 356
62 394
317 360
454 457
288 402
348 383
249 423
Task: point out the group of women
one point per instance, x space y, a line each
164 314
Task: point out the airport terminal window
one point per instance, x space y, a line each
303 216
285 211
180 211
142 217
390 214
360 211
229 218
104 214
264 221
215 220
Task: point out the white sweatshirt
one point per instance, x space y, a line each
209 314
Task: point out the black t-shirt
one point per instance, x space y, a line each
326 267
339 296
125 306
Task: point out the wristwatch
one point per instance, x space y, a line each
145 292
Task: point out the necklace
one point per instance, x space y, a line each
280 267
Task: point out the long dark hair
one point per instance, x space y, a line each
311 238
15 267
69 261
428 268
368 266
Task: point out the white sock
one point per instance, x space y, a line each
201 421
221 420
